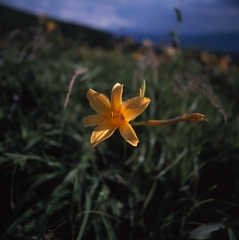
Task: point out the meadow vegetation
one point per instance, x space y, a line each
180 182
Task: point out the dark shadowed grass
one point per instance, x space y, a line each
179 178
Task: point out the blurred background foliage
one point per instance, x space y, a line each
181 182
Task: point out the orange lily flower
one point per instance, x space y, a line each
114 114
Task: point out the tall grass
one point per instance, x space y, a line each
179 178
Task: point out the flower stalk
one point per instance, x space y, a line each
191 117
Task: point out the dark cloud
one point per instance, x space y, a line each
230 3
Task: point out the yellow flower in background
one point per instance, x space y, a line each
114 114
50 26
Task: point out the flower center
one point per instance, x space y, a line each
117 118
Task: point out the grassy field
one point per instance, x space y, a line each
180 182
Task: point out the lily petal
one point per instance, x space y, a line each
99 102
129 134
116 96
134 106
102 132
93 120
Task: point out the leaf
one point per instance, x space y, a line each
109 228
86 216
205 231
33 141
178 15
18 221
176 161
19 156
146 202
49 208
231 234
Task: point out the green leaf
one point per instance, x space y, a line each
205 231
18 221
176 161
231 234
109 228
33 141
178 15
19 157
86 216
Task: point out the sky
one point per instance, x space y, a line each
124 17
199 16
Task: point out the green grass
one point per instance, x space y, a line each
54 184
